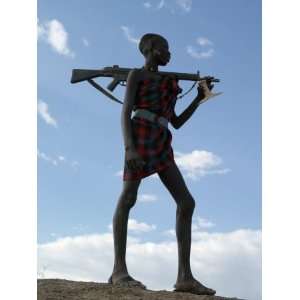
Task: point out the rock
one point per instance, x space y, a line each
60 289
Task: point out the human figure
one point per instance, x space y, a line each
147 151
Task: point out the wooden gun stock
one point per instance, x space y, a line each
79 75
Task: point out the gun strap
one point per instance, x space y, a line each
104 91
190 89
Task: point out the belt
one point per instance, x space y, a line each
148 115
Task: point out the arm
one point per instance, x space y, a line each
178 121
204 91
131 89
132 158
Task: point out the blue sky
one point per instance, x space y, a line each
80 145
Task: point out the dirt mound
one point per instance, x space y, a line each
59 289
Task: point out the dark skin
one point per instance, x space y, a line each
157 55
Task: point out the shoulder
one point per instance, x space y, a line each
134 74
133 77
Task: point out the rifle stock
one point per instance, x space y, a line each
79 75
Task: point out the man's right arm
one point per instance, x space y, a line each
131 89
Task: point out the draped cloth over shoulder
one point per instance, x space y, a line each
151 139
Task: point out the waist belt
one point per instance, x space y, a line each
148 115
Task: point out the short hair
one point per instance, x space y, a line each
144 42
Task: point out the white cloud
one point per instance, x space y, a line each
45 115
75 164
201 223
203 41
199 163
228 262
127 32
171 5
41 30
161 4
80 228
204 52
60 159
193 52
137 227
54 33
120 174
147 4
170 232
85 42
195 165
147 198
186 5
47 158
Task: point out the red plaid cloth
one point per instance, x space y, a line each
152 140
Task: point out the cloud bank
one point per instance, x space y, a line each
230 262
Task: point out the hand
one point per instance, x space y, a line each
133 160
204 91
204 88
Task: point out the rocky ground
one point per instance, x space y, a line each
59 289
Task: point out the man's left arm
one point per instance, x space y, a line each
178 121
204 88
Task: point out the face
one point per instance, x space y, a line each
162 53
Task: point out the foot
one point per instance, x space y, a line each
193 286
125 280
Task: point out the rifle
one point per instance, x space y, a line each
119 76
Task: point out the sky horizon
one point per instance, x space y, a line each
80 145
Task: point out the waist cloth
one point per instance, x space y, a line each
152 138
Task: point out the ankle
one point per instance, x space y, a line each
185 276
120 270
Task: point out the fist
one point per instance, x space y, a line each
204 88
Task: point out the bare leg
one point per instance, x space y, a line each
174 182
120 222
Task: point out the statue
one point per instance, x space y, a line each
152 95
148 150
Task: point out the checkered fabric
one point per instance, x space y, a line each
152 140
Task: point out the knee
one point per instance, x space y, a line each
128 199
187 205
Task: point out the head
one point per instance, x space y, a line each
155 48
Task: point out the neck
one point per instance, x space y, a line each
151 67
